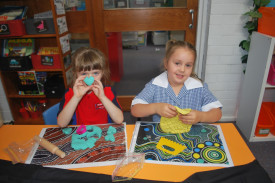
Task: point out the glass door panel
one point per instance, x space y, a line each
142 59
115 4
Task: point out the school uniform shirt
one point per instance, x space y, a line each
193 94
90 110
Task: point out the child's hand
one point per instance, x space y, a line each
97 88
80 87
166 110
191 118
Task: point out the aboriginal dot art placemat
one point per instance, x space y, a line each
203 145
102 154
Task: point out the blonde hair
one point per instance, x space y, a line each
171 47
86 59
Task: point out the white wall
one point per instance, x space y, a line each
224 70
5 113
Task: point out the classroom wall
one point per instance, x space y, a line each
224 71
5 113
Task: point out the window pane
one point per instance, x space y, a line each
75 5
112 4
79 40
142 57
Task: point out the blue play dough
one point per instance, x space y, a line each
87 139
89 80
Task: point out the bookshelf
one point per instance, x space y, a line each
10 78
255 89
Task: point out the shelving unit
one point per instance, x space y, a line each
255 88
9 78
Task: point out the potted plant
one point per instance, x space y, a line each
252 25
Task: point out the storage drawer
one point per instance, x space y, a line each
46 61
11 28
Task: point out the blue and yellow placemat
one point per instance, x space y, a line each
203 145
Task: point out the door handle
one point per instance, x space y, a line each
192 18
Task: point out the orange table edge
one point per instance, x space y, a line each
239 151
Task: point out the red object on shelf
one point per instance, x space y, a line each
114 40
24 113
271 109
46 61
11 28
271 74
265 122
265 24
35 115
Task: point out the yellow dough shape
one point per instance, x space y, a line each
174 148
174 125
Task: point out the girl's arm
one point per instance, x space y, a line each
67 112
162 109
195 116
80 89
114 112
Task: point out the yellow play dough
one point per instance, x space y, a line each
174 125
183 111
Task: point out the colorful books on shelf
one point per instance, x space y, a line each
31 82
12 12
48 51
18 47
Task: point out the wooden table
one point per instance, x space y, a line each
239 151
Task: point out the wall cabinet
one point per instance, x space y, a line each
56 39
255 89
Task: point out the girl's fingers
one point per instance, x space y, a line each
97 82
81 78
171 107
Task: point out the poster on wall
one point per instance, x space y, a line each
65 43
62 25
59 7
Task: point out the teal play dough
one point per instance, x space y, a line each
67 131
93 130
89 80
110 138
87 139
111 130
110 134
